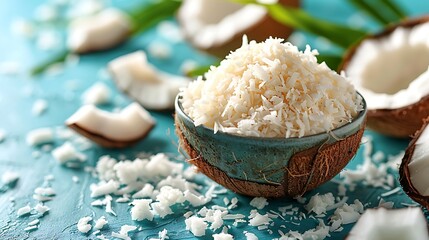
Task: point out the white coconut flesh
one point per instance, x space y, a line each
383 224
152 88
392 71
130 124
418 166
211 23
101 31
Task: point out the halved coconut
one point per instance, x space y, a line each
414 169
217 26
112 130
152 88
383 224
104 30
390 70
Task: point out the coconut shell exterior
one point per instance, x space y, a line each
306 170
401 122
404 173
262 30
106 142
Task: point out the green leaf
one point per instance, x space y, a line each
371 11
150 14
43 66
341 35
333 61
400 14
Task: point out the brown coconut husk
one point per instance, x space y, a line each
106 142
401 122
404 173
267 27
306 170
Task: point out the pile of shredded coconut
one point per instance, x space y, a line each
271 89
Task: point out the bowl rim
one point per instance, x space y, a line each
360 117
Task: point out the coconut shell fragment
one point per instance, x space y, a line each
259 31
405 175
403 121
306 170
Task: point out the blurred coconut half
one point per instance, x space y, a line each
390 70
217 26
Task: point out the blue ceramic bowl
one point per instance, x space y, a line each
269 167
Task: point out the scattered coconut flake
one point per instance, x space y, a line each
162 235
34 222
319 203
257 219
123 233
196 225
9 177
259 202
23 211
104 188
39 107
83 224
45 191
75 179
222 236
40 136
141 210
250 236
250 100
98 93
100 223
383 204
391 192
66 153
159 50
41 209
31 228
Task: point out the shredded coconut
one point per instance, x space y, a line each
39 107
98 93
99 224
23 211
9 177
40 136
259 202
271 89
83 224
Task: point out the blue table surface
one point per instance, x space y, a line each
72 200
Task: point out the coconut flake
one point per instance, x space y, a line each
98 93
23 211
83 224
196 225
39 107
100 223
40 136
9 177
222 236
34 222
259 202
141 210
319 203
31 228
66 153
123 233
41 209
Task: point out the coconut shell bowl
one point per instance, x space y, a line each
269 167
